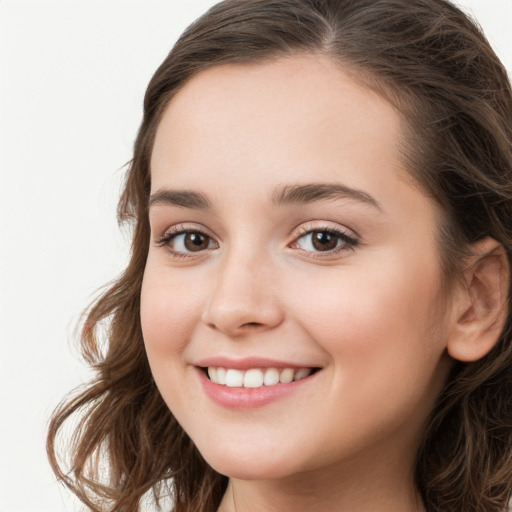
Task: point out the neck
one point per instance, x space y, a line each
358 489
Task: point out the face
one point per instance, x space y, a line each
292 259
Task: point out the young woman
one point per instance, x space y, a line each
316 311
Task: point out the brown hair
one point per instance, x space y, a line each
436 67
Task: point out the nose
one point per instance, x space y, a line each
244 298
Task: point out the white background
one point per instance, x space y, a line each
72 79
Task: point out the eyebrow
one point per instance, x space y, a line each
282 195
183 198
311 192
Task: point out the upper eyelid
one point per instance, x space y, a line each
319 225
183 227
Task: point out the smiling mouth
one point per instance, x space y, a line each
256 377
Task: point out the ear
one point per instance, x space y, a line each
481 303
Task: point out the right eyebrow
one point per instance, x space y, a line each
183 198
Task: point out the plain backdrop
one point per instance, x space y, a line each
72 79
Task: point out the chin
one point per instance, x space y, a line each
242 465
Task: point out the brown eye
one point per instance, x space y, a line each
324 241
186 242
195 242
329 241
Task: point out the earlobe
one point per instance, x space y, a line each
481 304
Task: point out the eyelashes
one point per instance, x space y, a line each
326 240
318 242
181 241
188 241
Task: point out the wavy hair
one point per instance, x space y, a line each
432 62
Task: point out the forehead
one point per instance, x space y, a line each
296 107
238 132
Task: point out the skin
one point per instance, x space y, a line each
367 315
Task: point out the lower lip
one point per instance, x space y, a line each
248 398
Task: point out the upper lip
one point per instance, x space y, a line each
249 362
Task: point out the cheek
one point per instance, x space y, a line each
377 332
375 320
169 312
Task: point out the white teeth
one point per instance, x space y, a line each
212 373
286 376
221 376
271 377
255 377
302 374
234 378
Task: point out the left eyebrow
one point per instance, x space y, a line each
311 192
